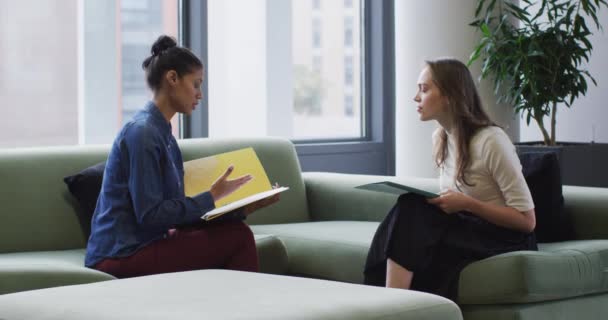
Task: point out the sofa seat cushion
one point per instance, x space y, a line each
334 250
43 269
223 294
272 254
557 271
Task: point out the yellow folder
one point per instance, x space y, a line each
199 174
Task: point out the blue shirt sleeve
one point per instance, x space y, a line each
148 164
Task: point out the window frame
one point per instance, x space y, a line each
374 152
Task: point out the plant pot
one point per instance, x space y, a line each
581 164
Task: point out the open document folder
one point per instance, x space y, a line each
395 188
200 174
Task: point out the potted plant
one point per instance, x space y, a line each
535 51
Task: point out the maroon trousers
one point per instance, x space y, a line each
222 245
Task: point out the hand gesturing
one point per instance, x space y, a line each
222 187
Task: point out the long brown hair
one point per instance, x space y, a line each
455 82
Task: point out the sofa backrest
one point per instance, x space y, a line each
587 210
37 212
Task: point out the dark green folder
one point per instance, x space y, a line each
395 188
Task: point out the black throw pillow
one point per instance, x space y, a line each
542 173
85 187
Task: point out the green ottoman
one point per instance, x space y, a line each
222 294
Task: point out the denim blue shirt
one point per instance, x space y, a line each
142 195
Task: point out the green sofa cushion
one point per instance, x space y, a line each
333 196
337 250
592 307
587 207
272 254
333 250
222 294
45 269
37 202
559 270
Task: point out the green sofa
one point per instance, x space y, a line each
225 295
321 228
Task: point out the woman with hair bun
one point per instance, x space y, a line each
484 208
143 223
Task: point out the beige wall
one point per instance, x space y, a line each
428 30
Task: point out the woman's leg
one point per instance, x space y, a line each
223 245
397 276
405 242
245 255
417 231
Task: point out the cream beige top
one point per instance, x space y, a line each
495 170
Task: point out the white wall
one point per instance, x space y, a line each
587 120
428 30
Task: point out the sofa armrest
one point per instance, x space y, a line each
587 207
332 196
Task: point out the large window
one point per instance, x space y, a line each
70 70
284 68
319 72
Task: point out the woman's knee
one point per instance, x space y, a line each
409 204
411 199
248 233
242 229
414 209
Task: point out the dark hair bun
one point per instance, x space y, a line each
163 43
166 56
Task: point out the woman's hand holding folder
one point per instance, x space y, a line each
250 208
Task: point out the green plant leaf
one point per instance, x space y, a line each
518 12
541 10
479 6
485 29
534 52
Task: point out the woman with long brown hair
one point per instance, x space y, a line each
484 208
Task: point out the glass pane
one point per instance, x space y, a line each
291 69
70 70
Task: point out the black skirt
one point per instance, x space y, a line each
436 246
